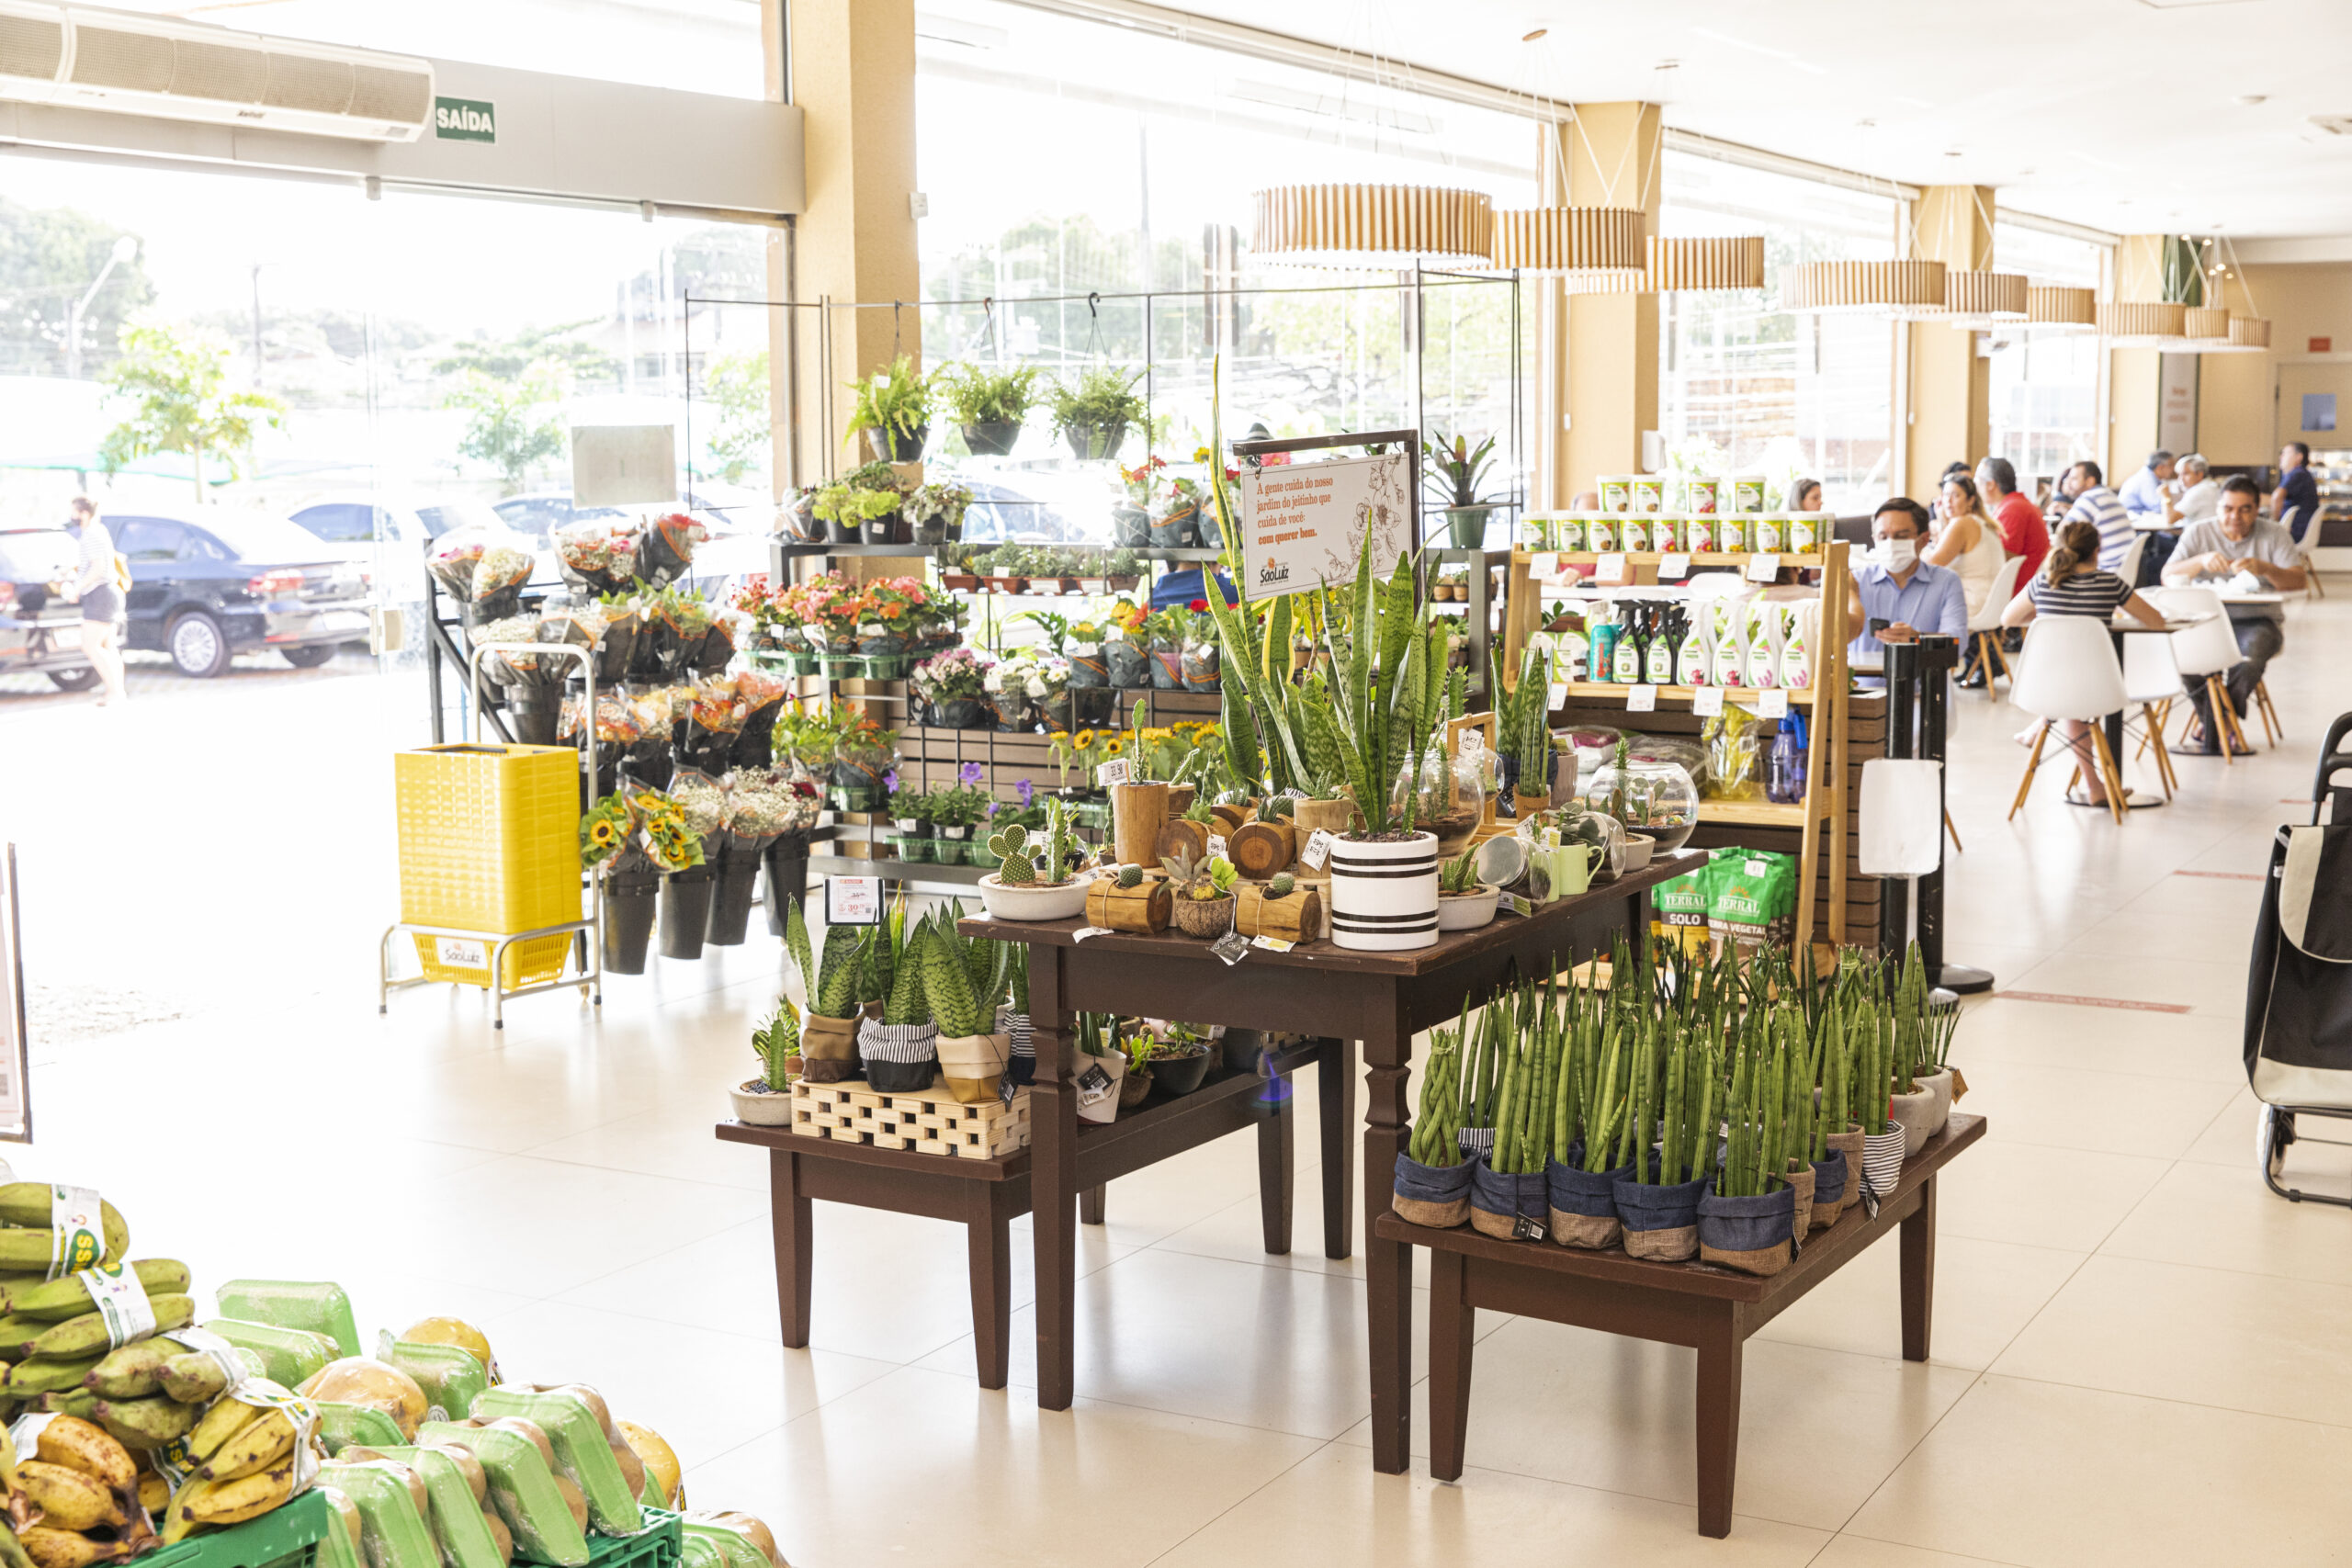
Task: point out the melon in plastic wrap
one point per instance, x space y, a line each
363 1380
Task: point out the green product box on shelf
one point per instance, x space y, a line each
286 1537
659 1545
318 1307
289 1355
341 1426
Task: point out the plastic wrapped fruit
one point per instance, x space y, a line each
364 1381
660 1460
453 1331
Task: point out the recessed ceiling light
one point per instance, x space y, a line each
2023 173
1951 153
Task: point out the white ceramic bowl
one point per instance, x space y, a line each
1639 847
1011 903
768 1109
1466 911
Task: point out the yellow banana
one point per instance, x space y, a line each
259 1446
179 1515
67 1498
12 1551
52 1548
247 1497
154 1495
77 1445
223 1420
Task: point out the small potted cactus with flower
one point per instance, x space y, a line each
1203 892
1037 877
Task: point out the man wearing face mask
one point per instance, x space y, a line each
1913 597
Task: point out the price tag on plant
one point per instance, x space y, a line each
1611 569
852 901
1545 565
1084 931
1511 904
1233 947
1641 699
1707 701
1118 771
1093 1085
1216 843
1673 567
1317 850
1771 703
1272 943
1763 566
1529 1228
1005 1089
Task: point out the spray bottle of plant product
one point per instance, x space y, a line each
1730 639
1626 670
1657 665
1763 652
1694 662
1796 646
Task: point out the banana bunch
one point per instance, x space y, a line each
51 1332
243 1465
146 1393
80 1495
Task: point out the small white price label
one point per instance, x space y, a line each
1677 565
1545 565
1216 843
1611 568
1317 850
1511 903
1118 771
1272 943
1707 701
1771 703
852 901
1557 696
1084 931
1641 699
1763 566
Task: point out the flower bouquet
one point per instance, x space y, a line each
713 728
617 728
1199 649
686 888
650 759
754 815
788 794
1131 524
610 634
597 557
762 700
666 551
1126 657
954 687
1165 631
864 753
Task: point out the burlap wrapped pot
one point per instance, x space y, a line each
828 1048
1583 1203
1433 1195
973 1064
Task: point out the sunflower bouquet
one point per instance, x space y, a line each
604 831
663 832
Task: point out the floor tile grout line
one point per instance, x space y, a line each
1939 1550
2168 1399
1272 1480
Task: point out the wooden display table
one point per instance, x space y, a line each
1379 998
986 1195
1712 1310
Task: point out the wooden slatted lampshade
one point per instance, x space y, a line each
2249 333
1710 261
1983 299
2142 323
1863 288
1373 226
2206 325
1592 250
2053 307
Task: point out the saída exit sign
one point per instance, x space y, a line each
464 120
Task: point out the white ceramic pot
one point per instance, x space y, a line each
1466 911
1030 903
1384 894
1940 1085
1639 847
1916 1113
759 1107
1098 1104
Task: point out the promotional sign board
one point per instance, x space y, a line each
1303 524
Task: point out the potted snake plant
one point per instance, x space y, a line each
766 1100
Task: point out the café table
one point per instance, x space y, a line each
2118 628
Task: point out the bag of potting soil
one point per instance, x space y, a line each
1679 911
1751 899
667 551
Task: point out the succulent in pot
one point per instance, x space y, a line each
766 1100
1035 878
1203 904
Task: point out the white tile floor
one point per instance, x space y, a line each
2140 1355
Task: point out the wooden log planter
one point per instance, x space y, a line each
1180 836
1258 850
1297 916
1137 813
1143 909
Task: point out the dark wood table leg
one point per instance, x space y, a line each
789 1219
987 1241
1917 1241
1090 1203
1451 1337
1720 1349
1388 1265
1277 1164
1335 1083
1053 1183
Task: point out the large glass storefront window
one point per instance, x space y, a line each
1743 387
2044 402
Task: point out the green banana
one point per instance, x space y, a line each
58 1300
45 1377
18 1334
27 1204
87 1334
193 1378
149 1423
131 1372
12 1551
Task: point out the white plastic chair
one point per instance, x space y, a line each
2152 679
1984 627
2206 651
2128 569
2306 548
2069 670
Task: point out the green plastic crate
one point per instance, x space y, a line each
286 1537
660 1545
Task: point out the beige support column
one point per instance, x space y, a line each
1597 353
2135 375
1951 384
854 71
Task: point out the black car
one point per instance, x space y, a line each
40 632
207 585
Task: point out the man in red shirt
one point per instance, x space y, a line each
2023 532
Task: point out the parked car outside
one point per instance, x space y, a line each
40 630
354 523
537 516
207 585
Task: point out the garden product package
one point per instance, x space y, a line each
1751 897
1679 911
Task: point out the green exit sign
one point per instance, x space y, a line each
464 120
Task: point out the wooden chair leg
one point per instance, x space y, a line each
2217 702
2238 741
1955 834
2041 737
2003 654
2107 771
2272 726
2152 724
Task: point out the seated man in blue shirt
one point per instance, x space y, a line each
2143 493
1913 597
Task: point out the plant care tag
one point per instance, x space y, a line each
1317 850
1216 843
1707 701
852 901
1641 699
1529 1228
1958 1084
1763 566
1771 703
1272 943
1233 947
1610 568
1547 564
1005 1089
77 1229
1558 697
1117 770
121 1301
1511 903
1675 567
1093 1085
1084 931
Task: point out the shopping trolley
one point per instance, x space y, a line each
2299 986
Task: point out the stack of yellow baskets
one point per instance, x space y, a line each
490 842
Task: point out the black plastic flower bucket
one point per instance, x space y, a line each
685 912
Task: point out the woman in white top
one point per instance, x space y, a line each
1967 543
96 590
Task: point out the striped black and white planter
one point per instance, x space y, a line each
1384 895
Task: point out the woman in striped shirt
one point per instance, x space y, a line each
2072 584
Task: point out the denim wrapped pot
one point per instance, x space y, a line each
1661 1222
1433 1195
901 1058
1828 1189
1501 1199
1584 1204
1754 1235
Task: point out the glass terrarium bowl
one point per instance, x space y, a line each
1656 799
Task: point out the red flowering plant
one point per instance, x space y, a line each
769 608
1138 480
832 608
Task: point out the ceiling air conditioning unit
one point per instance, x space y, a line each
78 57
